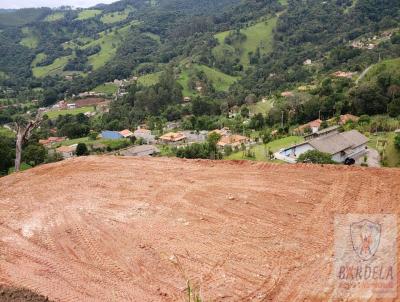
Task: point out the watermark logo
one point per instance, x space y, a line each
365 237
365 256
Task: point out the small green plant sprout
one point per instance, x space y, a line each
193 294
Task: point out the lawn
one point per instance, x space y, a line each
392 154
149 79
55 113
258 35
74 141
7 101
261 151
24 166
220 80
390 66
112 143
39 58
6 132
3 75
55 68
29 39
88 13
153 36
261 107
109 43
184 81
108 88
55 17
115 17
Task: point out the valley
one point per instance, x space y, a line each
199 150
190 70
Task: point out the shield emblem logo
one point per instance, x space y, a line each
365 237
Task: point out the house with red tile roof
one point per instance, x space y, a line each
173 138
126 133
50 140
233 140
313 125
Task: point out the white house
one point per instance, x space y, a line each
143 150
67 151
144 134
350 144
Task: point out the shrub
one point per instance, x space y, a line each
315 157
82 150
397 141
228 150
93 135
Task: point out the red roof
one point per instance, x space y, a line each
126 133
348 117
315 123
173 137
52 139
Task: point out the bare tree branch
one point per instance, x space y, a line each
23 135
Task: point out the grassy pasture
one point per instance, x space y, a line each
392 154
115 17
30 39
56 67
109 44
257 35
220 80
108 88
55 113
55 17
88 14
261 150
261 107
391 66
149 79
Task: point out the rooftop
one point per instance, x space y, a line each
337 142
126 133
66 149
233 139
173 136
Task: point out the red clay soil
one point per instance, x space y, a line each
133 229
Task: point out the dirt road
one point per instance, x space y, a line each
128 229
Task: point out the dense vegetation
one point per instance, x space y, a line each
225 55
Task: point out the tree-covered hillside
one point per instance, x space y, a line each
323 31
228 52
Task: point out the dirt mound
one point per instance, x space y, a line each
129 229
12 294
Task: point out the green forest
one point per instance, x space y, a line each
226 56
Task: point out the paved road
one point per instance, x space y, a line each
373 158
362 75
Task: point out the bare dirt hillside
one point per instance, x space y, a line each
130 229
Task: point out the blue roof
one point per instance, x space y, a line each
110 134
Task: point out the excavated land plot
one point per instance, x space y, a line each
132 229
11 294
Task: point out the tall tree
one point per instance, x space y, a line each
24 131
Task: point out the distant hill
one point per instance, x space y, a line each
257 46
22 16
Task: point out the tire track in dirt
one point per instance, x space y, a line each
135 229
